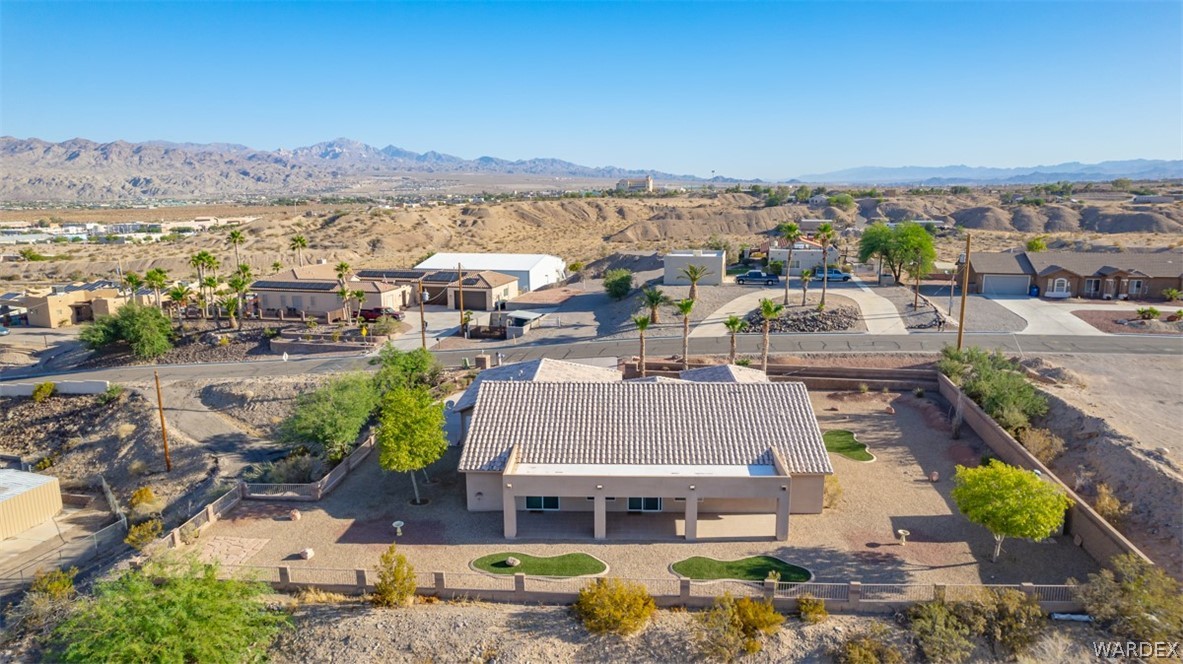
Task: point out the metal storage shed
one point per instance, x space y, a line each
26 500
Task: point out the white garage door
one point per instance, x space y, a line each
1008 284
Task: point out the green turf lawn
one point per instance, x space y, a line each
755 568
571 564
840 441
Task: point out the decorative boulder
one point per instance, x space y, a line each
295 515
512 562
889 410
307 554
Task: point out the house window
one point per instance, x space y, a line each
1060 285
1135 287
644 504
548 503
1092 286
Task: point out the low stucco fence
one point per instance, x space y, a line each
1088 529
815 378
312 491
60 387
852 597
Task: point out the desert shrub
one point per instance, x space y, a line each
994 383
731 627
868 647
918 392
190 534
1172 294
113 393
56 584
144 503
615 606
1054 647
576 266
336 336
138 467
1135 599
142 496
940 633
812 609
1109 506
313 595
44 464
43 391
292 469
831 491
142 534
331 417
863 388
1014 621
396 580
743 362
1045 445
384 326
170 612
146 330
1148 313
46 604
270 333
618 283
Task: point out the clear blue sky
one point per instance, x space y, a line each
768 90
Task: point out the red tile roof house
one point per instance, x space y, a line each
603 450
1065 274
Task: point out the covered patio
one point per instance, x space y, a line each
647 527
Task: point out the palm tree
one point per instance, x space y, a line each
342 270
733 324
298 244
156 279
769 311
642 323
133 281
358 296
230 301
693 273
684 308
825 236
244 270
654 299
806 275
239 285
202 303
210 284
346 295
236 238
276 267
791 232
180 296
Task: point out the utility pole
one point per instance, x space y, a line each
460 295
422 317
168 462
964 294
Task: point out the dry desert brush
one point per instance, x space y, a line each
614 606
734 627
1134 599
396 580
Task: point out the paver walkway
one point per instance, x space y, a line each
1050 317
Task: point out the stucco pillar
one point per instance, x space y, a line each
691 518
601 517
782 516
509 511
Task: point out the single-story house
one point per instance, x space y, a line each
26 500
819 200
1064 274
623 448
541 370
74 304
807 255
533 271
484 291
313 290
675 262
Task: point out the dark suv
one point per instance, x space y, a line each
375 314
755 277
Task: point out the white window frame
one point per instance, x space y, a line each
1056 285
542 502
1092 291
1131 289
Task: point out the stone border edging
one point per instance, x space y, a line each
607 567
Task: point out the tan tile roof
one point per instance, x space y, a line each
544 369
724 373
487 279
317 271
644 423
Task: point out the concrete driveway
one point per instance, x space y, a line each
1042 317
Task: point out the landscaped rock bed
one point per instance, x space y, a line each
808 320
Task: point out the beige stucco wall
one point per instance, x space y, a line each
806 494
484 299
674 263
803 259
107 306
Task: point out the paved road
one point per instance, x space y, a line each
749 344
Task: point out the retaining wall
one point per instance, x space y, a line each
60 387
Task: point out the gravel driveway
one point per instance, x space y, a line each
982 315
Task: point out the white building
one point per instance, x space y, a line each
715 263
533 271
807 255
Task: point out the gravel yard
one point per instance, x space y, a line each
982 314
902 297
1109 321
854 541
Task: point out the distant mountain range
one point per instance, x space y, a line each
83 170
1135 169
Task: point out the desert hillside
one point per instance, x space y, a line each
577 229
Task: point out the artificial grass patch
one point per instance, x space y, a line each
755 568
841 441
570 564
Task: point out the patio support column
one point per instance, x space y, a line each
509 512
782 516
691 518
601 517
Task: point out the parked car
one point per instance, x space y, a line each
3 331
834 274
375 314
756 276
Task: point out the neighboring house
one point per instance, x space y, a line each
819 200
312 290
714 261
74 304
723 373
807 255
608 451
644 184
533 271
484 291
810 226
1064 274
1152 199
542 370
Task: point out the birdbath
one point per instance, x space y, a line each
398 528
903 536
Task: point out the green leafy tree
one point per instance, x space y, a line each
642 323
330 418
825 237
1037 244
618 283
685 307
170 612
734 325
877 241
654 299
791 233
399 368
769 311
298 244
410 432
236 238
919 257
146 330
843 201
1122 184
801 194
1009 502
694 274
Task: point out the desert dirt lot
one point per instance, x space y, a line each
854 541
